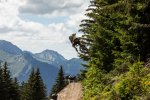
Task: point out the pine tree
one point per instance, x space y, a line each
15 92
34 89
23 91
60 82
7 82
99 29
10 89
1 82
39 87
117 34
118 30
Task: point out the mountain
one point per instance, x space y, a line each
72 66
51 57
48 71
9 47
21 63
21 66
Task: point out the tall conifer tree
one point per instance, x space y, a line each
60 82
10 89
34 89
118 31
1 82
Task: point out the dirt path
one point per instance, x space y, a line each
73 91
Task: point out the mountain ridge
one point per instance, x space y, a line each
9 47
21 63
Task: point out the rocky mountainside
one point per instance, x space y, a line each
72 66
51 57
21 63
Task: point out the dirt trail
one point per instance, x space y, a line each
73 91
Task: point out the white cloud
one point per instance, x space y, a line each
35 36
50 6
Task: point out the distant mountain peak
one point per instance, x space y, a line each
50 54
21 63
9 47
47 50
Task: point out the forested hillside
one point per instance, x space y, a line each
10 89
117 35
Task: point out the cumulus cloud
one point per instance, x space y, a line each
37 36
50 6
4 29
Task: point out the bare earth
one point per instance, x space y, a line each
73 91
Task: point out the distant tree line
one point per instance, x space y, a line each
32 89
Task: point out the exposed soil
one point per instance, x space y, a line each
73 91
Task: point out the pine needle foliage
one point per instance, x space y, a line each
118 50
59 83
34 89
9 89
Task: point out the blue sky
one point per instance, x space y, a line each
43 20
36 25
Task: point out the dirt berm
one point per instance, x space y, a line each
73 91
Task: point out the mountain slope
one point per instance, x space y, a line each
9 47
51 57
21 63
72 66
